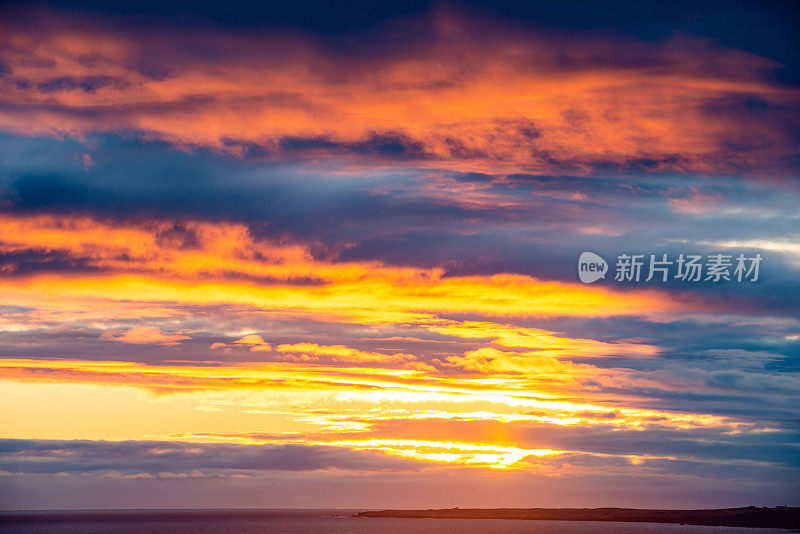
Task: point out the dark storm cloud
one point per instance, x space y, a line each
388 145
761 343
721 21
87 84
126 180
775 447
49 261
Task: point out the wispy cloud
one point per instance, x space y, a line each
142 335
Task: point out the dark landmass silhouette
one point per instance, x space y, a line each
778 517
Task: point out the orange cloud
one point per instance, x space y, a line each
226 266
506 101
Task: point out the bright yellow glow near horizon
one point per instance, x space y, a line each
312 404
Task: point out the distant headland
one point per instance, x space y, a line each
752 516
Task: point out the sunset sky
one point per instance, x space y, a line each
327 256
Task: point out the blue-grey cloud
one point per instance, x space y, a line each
154 457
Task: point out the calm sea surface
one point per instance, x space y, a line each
335 522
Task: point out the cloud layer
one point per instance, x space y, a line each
267 264
457 93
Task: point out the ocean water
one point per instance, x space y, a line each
320 521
